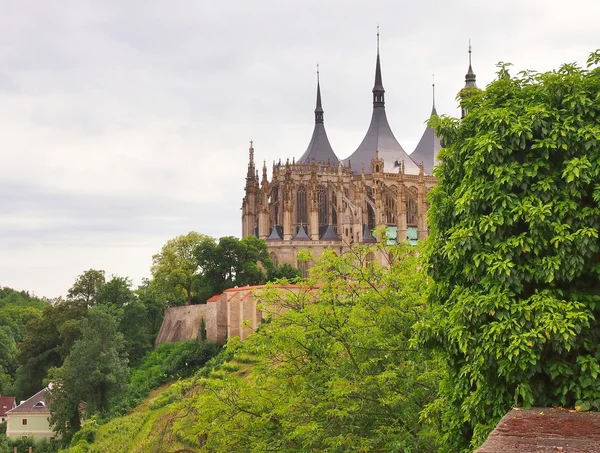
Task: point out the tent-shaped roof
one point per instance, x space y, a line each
319 149
379 137
428 147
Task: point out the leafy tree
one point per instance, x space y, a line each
155 302
86 288
46 343
285 271
233 262
514 249
17 308
116 292
175 268
334 370
95 371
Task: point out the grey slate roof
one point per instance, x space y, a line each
37 404
380 138
427 148
319 149
301 234
329 234
367 236
276 234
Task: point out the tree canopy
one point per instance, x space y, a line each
175 268
514 248
333 371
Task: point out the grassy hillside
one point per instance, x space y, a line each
148 428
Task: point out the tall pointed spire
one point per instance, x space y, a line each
319 149
470 77
428 147
433 110
380 142
251 167
319 108
378 91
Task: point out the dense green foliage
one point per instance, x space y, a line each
17 308
193 267
234 262
167 362
514 249
333 369
95 371
22 445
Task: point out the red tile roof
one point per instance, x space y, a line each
6 403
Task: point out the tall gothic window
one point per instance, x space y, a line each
322 205
371 217
412 213
390 210
274 207
334 202
301 206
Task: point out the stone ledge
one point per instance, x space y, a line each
543 430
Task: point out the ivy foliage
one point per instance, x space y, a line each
514 248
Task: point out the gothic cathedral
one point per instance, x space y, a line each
320 201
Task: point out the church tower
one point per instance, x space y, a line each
470 86
379 136
428 147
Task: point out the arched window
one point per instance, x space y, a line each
390 210
274 207
334 212
371 217
323 207
412 212
301 206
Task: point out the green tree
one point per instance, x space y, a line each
95 371
86 288
233 262
334 370
46 343
514 249
17 308
175 268
116 292
155 302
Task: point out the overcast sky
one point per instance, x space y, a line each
124 123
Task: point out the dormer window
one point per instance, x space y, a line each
40 404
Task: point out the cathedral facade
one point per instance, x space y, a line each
320 202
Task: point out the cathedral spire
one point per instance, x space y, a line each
319 149
319 108
433 110
378 91
251 167
470 77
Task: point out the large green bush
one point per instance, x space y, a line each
514 249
